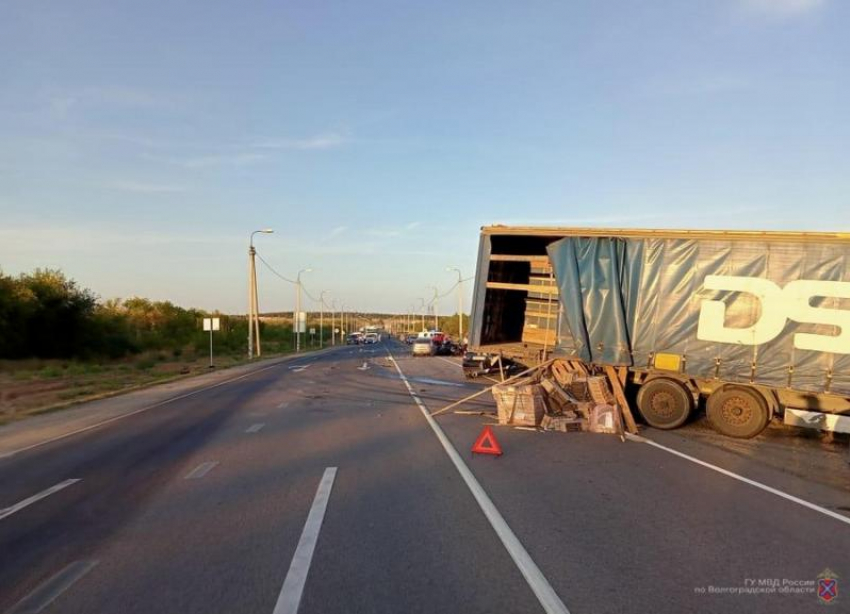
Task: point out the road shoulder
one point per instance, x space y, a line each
43 428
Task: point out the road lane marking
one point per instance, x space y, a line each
363 367
741 478
283 405
4 513
451 362
48 591
436 382
293 586
136 411
201 470
538 583
300 368
255 428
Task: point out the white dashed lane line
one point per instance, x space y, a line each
201 470
254 428
4 513
293 586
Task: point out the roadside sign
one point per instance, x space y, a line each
212 324
312 330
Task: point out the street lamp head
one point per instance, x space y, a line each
263 231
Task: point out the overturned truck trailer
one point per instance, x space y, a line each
756 324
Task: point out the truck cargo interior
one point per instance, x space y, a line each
513 314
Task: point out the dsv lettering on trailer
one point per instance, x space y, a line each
778 305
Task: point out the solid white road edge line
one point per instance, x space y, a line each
201 470
741 478
30 500
134 412
293 586
538 583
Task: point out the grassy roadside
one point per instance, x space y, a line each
32 387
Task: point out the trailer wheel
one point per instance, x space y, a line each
664 403
737 411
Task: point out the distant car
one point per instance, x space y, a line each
371 338
410 339
422 346
446 348
353 339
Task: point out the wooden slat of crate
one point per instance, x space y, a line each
541 281
534 326
547 290
540 336
536 259
541 303
543 314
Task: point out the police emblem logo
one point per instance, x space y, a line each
827 587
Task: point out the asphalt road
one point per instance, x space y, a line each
213 503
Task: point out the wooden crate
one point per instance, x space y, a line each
524 405
539 336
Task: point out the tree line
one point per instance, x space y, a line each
44 314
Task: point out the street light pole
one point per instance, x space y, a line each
459 302
298 309
321 318
422 300
434 302
253 302
333 322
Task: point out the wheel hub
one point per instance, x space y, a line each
736 411
663 404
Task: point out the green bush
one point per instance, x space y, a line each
145 364
52 372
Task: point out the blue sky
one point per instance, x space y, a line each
141 142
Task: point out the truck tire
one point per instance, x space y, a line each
664 403
737 411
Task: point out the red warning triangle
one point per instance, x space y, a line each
486 443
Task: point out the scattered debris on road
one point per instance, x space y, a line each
560 396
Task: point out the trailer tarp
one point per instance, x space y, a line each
732 309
